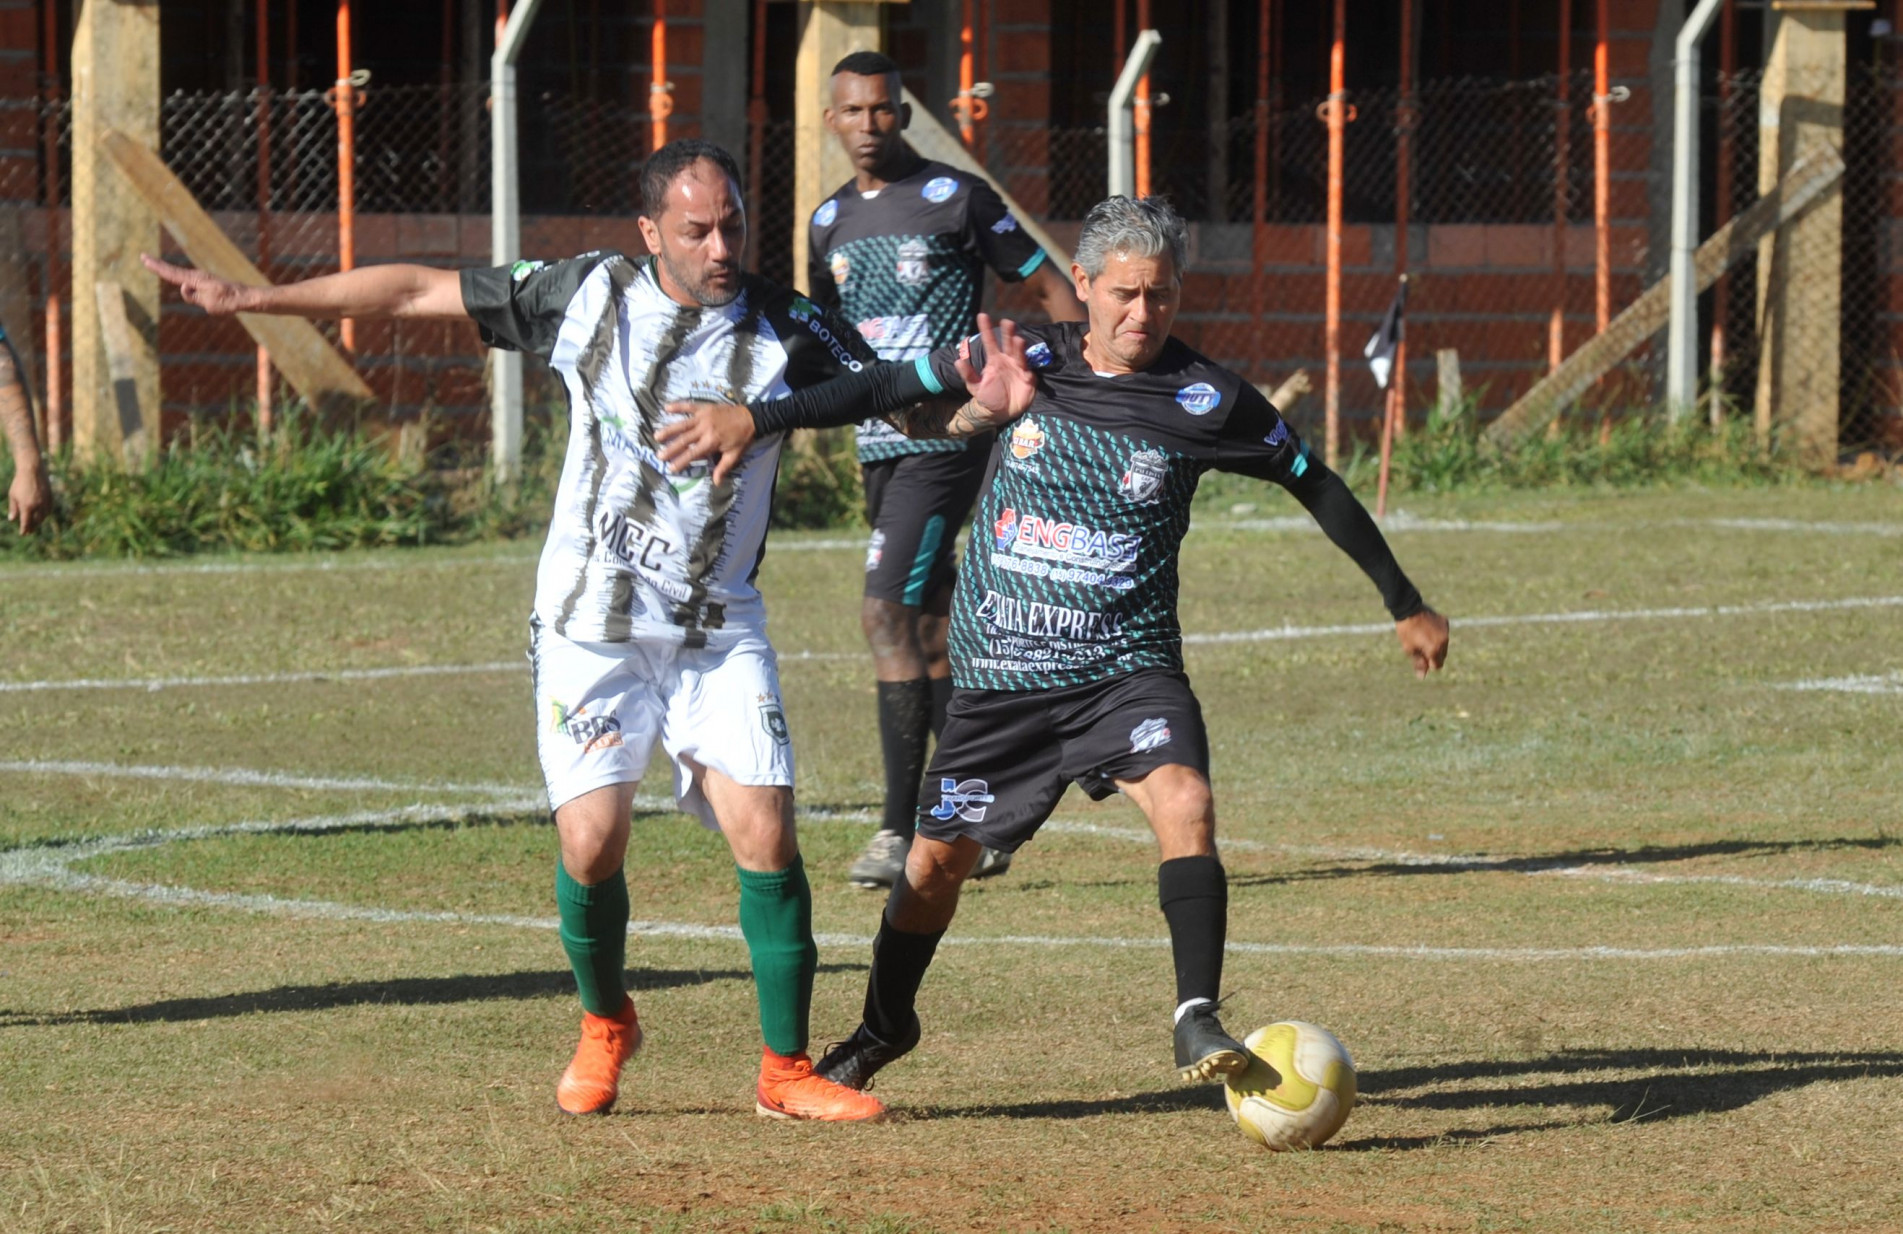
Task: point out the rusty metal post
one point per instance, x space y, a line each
660 90
1335 113
345 100
1721 203
756 141
265 416
55 401
1141 112
1562 161
1259 201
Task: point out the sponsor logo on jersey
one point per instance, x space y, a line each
773 718
1009 615
1006 225
875 550
939 189
591 733
824 216
841 266
1199 399
1277 435
1033 535
1039 354
644 551
1143 477
1026 439
818 328
522 269
801 309
966 799
1149 735
915 262
898 338
615 438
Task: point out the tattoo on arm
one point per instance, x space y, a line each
938 419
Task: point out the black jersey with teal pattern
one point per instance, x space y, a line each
906 266
1070 576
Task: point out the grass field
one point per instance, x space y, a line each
1610 913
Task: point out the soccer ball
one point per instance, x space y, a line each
1297 1090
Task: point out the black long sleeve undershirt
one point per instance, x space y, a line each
1328 499
846 399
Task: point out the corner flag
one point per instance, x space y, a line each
1387 337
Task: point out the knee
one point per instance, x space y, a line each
889 627
591 860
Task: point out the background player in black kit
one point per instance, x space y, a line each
1064 639
900 251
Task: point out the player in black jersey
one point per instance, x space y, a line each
900 251
1064 639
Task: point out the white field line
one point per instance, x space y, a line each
1867 683
247 778
1399 522
1212 638
48 866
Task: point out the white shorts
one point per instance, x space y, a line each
600 707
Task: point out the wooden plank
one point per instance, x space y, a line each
1646 316
1447 372
936 142
122 367
315 369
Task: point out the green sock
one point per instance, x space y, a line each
595 935
776 916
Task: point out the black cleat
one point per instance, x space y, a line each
854 1061
1204 1052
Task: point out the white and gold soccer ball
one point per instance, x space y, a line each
1297 1090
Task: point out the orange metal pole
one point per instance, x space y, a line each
55 401
967 131
1601 174
1336 109
1562 161
265 416
1141 113
1721 198
346 103
756 141
660 90
1259 236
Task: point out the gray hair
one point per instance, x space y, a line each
1139 227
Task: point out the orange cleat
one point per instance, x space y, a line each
593 1077
789 1089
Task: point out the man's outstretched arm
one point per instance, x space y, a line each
29 496
372 291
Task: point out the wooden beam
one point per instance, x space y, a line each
122 368
934 141
1646 316
115 76
315 369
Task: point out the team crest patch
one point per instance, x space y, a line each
522 269
841 267
1026 439
875 550
915 262
1006 225
966 799
801 309
824 216
1199 399
1149 735
773 719
1039 354
1143 477
939 189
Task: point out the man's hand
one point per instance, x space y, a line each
703 431
216 296
1424 637
29 498
1007 386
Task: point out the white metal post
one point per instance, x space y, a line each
505 238
1681 334
1123 173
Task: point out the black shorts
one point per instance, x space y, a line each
916 503
1006 756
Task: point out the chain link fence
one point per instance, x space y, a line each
1501 241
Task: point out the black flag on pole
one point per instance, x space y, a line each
1387 337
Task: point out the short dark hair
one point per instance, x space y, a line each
866 64
665 165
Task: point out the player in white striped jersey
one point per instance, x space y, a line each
647 626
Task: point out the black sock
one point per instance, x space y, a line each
899 961
941 699
1194 893
905 716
